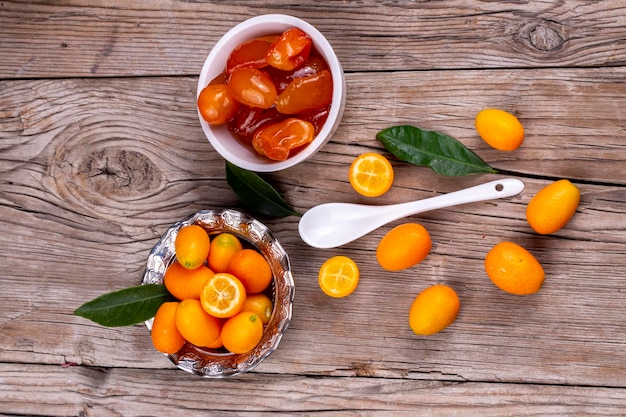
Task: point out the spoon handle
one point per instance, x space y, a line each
335 224
506 187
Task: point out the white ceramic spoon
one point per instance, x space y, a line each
335 224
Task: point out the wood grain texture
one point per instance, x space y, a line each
101 150
133 38
108 164
83 391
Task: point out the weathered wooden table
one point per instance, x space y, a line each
101 151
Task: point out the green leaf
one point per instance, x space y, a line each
125 307
442 153
256 194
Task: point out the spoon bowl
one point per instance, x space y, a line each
334 224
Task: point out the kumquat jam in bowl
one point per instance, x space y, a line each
271 93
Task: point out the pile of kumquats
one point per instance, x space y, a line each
223 293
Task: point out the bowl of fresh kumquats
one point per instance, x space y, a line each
271 93
232 293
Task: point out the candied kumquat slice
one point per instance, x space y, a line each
276 141
289 50
306 94
252 87
249 54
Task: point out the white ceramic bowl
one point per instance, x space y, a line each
221 139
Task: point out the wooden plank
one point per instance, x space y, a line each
566 137
85 391
92 171
135 38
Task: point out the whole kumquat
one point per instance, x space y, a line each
185 283
252 269
552 207
260 304
165 335
217 344
223 247
403 246
433 310
242 332
195 325
500 129
192 246
513 269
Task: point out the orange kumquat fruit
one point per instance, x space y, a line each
252 269
261 305
165 335
403 246
223 247
338 277
500 129
552 207
223 295
217 344
513 269
192 246
242 332
195 325
433 310
371 174
185 283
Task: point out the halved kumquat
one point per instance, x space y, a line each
338 277
371 174
223 295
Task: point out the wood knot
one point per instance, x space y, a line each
545 38
103 176
115 172
542 36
